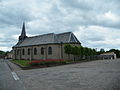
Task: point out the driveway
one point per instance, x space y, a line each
94 75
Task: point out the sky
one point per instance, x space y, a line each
96 23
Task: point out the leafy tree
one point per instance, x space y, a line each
75 51
79 51
68 49
2 54
94 51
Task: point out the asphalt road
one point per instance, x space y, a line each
94 75
7 80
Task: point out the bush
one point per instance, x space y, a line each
63 62
46 62
35 62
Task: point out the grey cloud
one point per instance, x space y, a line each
96 8
82 5
95 39
13 14
58 16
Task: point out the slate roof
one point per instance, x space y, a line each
51 38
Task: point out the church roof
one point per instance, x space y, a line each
51 38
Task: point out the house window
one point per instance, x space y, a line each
49 50
28 51
23 51
35 51
42 51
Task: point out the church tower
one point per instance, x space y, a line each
23 33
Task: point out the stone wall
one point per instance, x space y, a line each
57 52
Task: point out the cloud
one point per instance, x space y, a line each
98 37
95 23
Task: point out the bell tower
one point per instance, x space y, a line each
23 33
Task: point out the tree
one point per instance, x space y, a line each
68 49
2 54
94 52
75 51
102 50
79 51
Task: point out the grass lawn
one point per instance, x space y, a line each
21 62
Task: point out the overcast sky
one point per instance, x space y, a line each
96 23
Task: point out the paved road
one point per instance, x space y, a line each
7 82
94 75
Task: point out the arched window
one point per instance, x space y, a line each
42 51
23 51
28 51
35 51
49 50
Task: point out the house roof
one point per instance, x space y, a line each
108 53
51 38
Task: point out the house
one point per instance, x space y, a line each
109 55
46 46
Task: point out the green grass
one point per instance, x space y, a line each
21 62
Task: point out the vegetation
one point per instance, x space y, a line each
101 51
51 62
85 51
3 54
21 62
47 62
79 51
68 49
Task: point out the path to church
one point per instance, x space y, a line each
94 75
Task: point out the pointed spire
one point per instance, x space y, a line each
23 30
23 33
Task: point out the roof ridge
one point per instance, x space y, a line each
63 33
41 35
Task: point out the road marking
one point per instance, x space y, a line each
15 76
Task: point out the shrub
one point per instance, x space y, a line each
46 62
35 62
63 62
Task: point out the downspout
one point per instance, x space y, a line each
45 52
61 50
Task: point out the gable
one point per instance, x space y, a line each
73 38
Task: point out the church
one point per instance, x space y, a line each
46 46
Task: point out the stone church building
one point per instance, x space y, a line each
46 46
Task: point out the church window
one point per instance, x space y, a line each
23 51
28 51
42 51
35 51
50 50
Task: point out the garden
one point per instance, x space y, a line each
27 64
